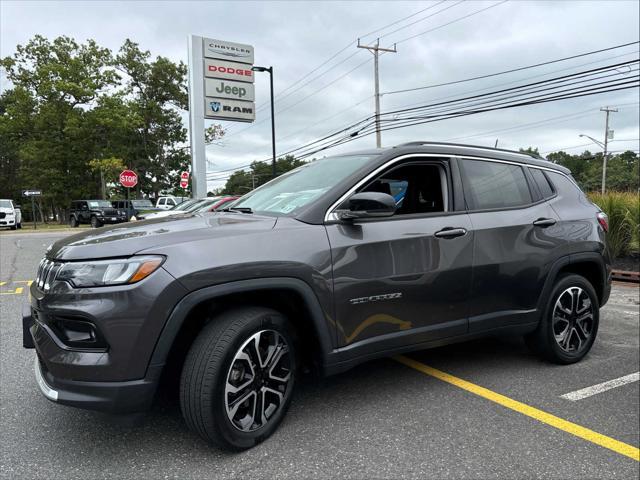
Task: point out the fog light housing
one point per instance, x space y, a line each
80 334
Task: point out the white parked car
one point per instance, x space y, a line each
166 203
10 216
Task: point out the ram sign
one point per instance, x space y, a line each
225 109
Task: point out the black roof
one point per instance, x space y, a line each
467 150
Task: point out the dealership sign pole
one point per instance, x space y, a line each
220 88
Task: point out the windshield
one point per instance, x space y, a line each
5 204
301 186
99 204
183 206
196 205
142 203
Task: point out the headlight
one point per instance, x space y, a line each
10 214
103 273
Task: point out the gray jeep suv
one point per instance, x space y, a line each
340 261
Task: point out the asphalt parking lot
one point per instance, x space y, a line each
383 419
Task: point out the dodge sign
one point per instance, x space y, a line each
228 70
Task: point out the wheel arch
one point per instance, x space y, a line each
589 265
288 295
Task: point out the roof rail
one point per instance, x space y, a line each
448 144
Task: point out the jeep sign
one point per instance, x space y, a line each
224 109
214 87
228 70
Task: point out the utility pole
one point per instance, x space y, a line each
376 49
606 142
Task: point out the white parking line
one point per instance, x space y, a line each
601 387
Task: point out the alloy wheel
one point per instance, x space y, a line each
257 380
573 320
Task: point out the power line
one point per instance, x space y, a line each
480 77
451 22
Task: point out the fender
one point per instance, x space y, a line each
591 257
184 306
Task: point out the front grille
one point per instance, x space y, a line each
3 214
47 271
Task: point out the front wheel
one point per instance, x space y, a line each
95 223
238 378
570 321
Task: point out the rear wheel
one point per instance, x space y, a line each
238 378
95 223
570 322
73 222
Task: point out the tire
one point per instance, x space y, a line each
13 227
95 223
20 226
223 350
562 337
73 222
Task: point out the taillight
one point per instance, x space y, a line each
603 220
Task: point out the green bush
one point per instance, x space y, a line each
623 210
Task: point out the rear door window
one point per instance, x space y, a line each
491 185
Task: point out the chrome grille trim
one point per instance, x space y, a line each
47 271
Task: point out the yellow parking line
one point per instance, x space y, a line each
544 417
17 291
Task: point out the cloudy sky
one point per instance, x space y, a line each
298 37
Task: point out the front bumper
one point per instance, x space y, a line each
111 220
111 397
6 222
115 376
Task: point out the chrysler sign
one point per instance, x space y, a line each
235 52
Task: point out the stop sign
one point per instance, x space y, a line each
128 178
184 179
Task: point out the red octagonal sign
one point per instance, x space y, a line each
184 179
128 178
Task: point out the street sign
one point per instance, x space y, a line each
223 50
31 193
128 178
228 70
214 87
225 109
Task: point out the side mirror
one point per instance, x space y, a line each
368 205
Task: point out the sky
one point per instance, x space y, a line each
450 42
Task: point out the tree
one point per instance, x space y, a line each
242 181
71 103
45 115
107 168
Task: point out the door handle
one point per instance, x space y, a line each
544 222
450 232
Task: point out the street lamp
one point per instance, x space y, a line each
603 146
598 142
273 119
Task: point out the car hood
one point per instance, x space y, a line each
128 239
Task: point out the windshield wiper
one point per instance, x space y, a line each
238 209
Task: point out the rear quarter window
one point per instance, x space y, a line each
542 182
